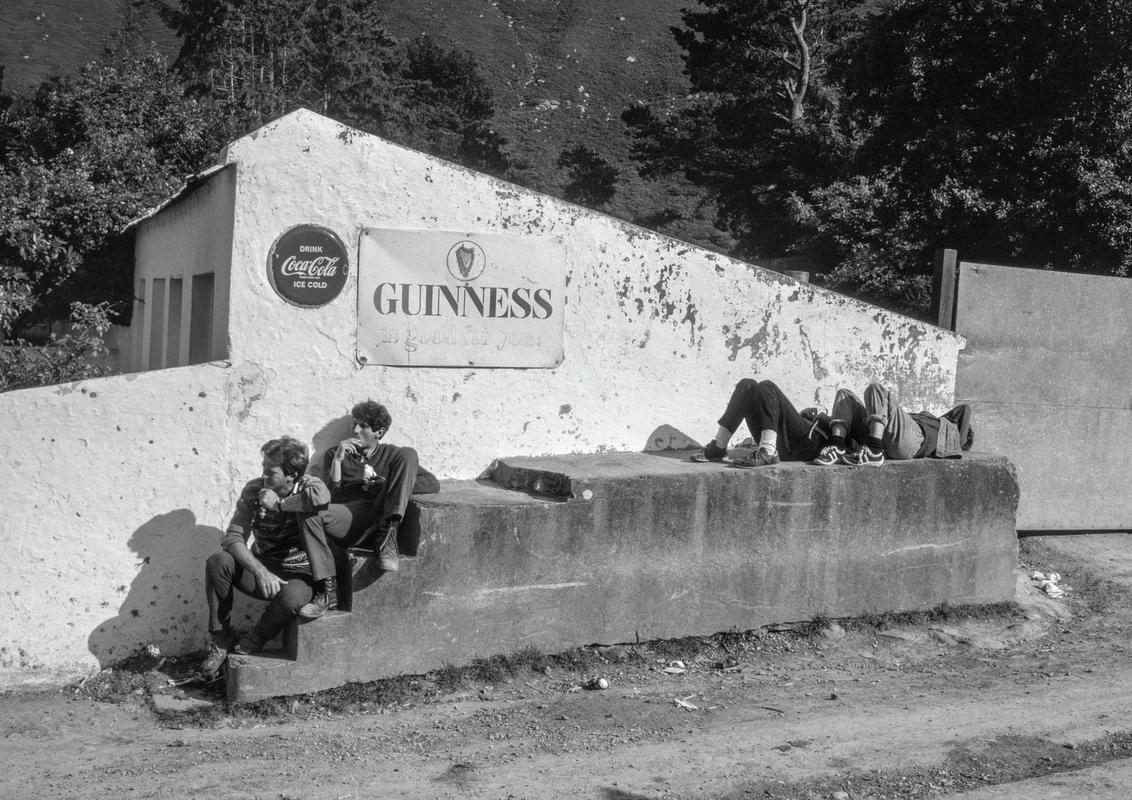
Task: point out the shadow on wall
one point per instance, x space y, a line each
668 438
165 602
327 439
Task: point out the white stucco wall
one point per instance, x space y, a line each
656 331
119 487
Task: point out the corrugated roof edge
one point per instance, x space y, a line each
192 182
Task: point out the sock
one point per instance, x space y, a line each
838 441
875 444
768 441
722 437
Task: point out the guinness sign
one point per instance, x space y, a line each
308 266
449 298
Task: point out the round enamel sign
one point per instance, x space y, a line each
308 266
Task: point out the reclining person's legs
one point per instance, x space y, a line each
770 417
847 419
888 422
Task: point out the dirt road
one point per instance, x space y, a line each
1018 704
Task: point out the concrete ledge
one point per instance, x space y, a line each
616 546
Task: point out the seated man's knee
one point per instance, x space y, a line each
408 457
876 398
845 402
294 595
219 563
876 389
746 385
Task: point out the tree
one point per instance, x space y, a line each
73 356
1000 128
259 59
592 179
762 123
79 159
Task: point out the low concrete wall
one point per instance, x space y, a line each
653 547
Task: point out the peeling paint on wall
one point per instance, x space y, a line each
247 385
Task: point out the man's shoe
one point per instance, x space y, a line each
325 599
217 653
713 452
830 454
759 458
386 550
865 457
253 642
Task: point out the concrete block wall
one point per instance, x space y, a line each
1047 374
656 333
654 547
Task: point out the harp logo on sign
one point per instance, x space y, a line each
466 261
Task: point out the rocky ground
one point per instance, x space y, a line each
1020 701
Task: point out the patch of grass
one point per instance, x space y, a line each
580 659
494 669
449 677
134 678
687 649
943 613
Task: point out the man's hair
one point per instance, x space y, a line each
373 414
289 454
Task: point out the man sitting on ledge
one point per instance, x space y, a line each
782 432
275 508
881 428
371 484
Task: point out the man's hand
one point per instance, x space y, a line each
268 582
347 446
268 499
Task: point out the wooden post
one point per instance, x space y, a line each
945 288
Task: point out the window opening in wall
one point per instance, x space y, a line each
200 319
157 324
173 340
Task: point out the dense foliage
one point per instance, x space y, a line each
762 122
83 156
1000 127
260 59
79 159
592 181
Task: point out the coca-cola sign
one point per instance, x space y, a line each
308 266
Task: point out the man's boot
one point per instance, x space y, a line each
222 642
325 599
386 550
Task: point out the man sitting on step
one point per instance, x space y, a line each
277 510
781 431
883 429
371 484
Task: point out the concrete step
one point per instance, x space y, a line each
611 547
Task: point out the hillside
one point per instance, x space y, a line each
561 70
